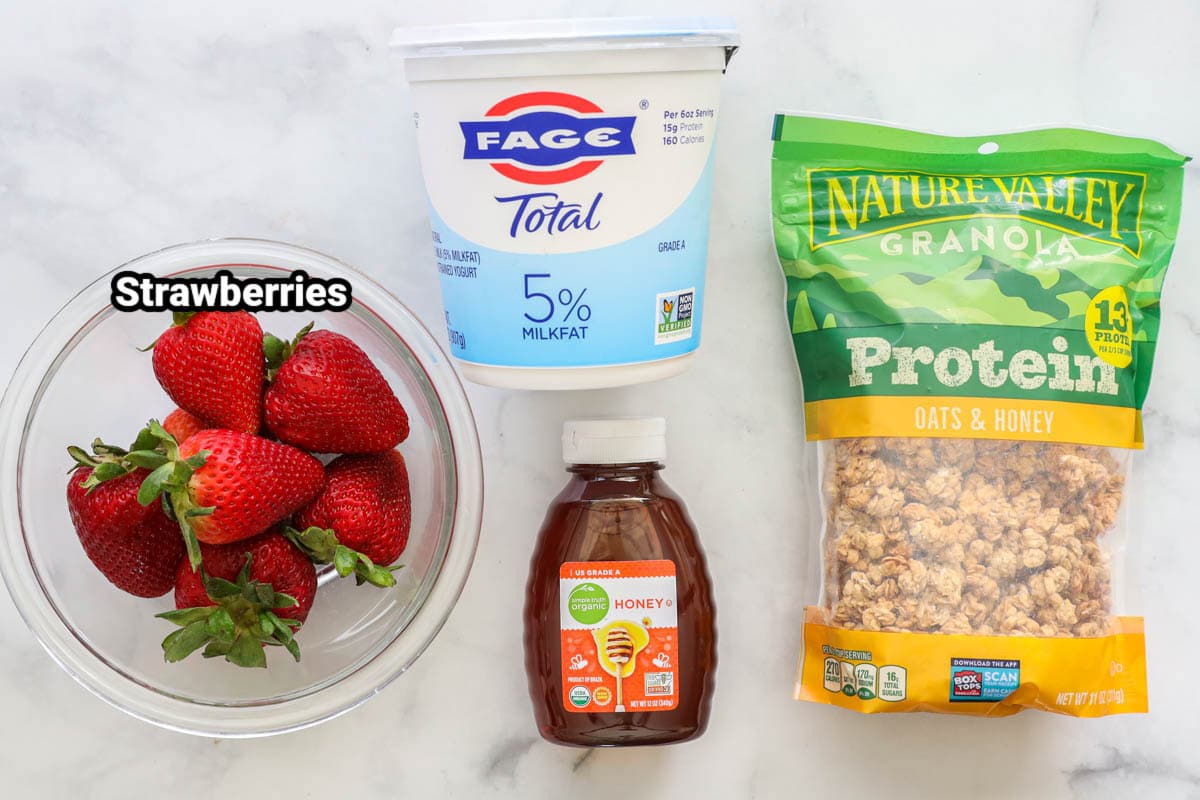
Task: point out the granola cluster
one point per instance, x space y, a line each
969 536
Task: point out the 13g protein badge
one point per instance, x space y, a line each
975 322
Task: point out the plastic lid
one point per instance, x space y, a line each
624 440
541 35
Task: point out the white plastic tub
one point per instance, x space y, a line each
568 165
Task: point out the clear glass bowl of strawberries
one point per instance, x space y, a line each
256 523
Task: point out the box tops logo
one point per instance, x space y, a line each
546 138
967 683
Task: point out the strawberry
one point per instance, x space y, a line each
275 561
326 396
136 547
182 425
366 503
211 365
247 594
224 486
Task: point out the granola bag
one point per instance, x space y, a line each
975 321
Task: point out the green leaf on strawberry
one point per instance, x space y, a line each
107 462
283 632
237 627
169 478
186 640
322 546
278 351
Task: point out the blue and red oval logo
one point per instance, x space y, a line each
545 138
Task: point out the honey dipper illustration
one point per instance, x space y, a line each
618 648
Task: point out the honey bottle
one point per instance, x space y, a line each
620 639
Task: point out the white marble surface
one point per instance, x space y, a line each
129 125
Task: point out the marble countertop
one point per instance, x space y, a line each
126 126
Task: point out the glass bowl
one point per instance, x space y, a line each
84 377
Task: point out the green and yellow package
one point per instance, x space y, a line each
975 321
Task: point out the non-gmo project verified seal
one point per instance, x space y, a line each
983 679
673 316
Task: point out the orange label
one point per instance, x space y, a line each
620 636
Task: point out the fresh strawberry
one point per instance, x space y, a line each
211 365
326 396
136 547
366 503
275 561
225 486
246 595
182 425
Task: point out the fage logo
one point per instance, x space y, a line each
545 138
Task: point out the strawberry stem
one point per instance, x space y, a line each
237 627
106 462
278 351
322 546
169 478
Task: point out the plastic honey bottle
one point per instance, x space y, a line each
620 640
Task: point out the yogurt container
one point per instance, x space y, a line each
568 166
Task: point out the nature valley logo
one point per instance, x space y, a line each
849 204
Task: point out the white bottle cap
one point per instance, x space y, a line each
621 440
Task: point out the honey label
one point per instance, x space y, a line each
620 636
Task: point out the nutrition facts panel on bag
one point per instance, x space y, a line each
865 681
